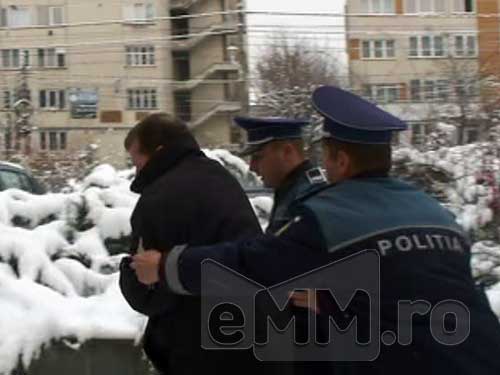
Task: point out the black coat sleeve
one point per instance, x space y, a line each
267 259
159 230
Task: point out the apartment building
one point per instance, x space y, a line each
90 69
423 60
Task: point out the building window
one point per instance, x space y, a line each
379 49
17 16
377 6
142 98
7 99
56 16
14 58
52 99
382 93
50 15
464 6
57 141
429 90
51 58
465 45
3 17
140 55
53 141
425 6
139 12
63 141
43 141
427 46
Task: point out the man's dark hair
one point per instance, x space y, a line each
366 157
158 129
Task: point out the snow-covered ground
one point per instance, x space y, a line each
59 254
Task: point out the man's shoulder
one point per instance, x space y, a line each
312 180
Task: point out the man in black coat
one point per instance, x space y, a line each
185 198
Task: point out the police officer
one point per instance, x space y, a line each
424 254
276 151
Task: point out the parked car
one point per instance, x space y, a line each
14 176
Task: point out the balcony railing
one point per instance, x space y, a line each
218 108
199 79
185 42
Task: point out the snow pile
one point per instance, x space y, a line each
465 178
238 167
59 261
58 280
494 298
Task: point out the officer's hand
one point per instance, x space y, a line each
147 266
307 299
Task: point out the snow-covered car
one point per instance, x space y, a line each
13 176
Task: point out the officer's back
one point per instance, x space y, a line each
428 298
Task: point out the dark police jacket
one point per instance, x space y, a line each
301 180
423 256
185 198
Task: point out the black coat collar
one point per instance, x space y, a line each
164 160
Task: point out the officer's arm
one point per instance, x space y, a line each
267 259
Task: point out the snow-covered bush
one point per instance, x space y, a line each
59 258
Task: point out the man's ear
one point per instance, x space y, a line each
344 162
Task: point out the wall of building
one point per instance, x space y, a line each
94 37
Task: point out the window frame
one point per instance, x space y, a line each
137 98
421 93
465 38
418 7
10 10
370 8
57 96
147 14
14 55
135 56
372 49
464 12
432 46
52 9
44 56
386 87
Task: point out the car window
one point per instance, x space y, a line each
14 180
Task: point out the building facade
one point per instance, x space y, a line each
424 60
91 69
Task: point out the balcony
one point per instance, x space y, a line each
185 44
196 81
218 108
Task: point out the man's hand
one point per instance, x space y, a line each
147 266
307 299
